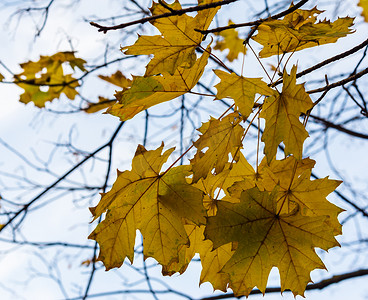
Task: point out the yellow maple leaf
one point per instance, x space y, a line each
296 189
176 45
216 186
148 91
154 203
364 5
232 42
298 31
34 77
282 112
117 79
222 137
242 90
266 239
212 261
100 105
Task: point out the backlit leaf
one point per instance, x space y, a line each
242 90
176 45
282 112
299 30
100 105
148 91
232 42
117 79
296 189
48 73
222 137
154 203
266 239
364 5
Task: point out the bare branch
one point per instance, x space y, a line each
339 83
180 12
315 286
257 22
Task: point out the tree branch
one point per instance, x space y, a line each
328 61
315 286
338 127
339 83
258 22
61 178
179 12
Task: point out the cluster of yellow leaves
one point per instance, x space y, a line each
48 72
148 91
299 30
241 221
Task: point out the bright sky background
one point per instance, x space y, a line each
21 126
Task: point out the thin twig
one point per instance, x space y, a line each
328 61
339 83
61 178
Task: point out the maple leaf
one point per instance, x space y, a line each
117 79
216 186
148 91
298 31
241 89
34 77
296 189
154 203
212 261
364 5
232 42
221 137
176 45
282 112
266 239
100 105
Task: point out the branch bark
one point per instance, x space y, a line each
180 12
257 22
315 286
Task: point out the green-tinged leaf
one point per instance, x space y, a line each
156 204
148 91
100 105
266 239
48 72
